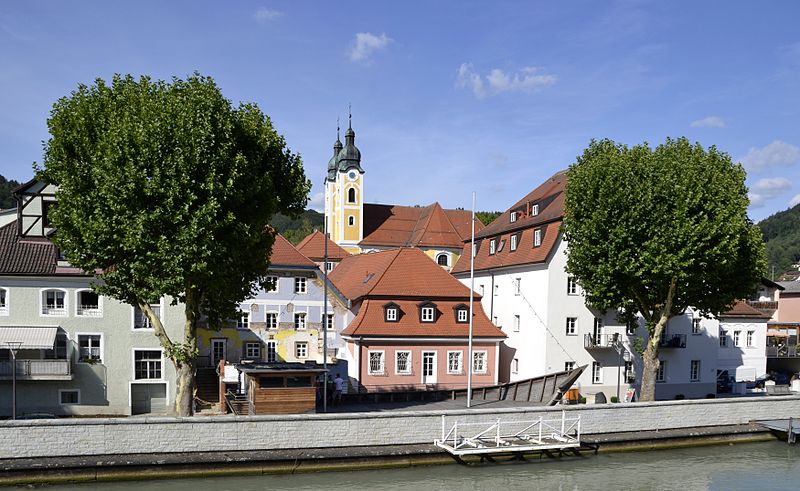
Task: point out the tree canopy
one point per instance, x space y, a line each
165 188
6 185
782 236
658 230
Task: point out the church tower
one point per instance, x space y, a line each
344 193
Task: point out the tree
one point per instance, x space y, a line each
487 217
6 200
167 189
656 231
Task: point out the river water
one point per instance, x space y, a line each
752 467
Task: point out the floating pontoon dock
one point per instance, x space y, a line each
789 426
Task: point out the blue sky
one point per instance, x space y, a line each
448 96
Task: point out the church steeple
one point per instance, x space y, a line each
350 155
344 192
334 161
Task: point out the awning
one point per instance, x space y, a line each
30 337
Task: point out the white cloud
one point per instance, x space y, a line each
766 189
709 122
366 44
795 201
265 15
317 202
528 79
775 154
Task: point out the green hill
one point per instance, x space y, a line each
5 192
296 229
782 237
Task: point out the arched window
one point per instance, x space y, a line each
443 260
351 220
351 195
54 302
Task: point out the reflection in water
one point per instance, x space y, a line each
755 466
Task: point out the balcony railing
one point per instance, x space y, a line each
90 311
600 341
37 369
782 352
54 310
673 341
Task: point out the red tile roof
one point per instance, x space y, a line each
25 256
370 321
416 226
313 247
743 309
285 254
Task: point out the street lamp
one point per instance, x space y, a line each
13 347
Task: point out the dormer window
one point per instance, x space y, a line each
534 209
513 217
462 313
492 246
513 244
427 312
537 237
391 312
502 244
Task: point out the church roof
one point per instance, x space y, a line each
416 226
313 247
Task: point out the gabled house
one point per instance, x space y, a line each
313 247
411 324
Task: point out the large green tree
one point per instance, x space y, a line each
166 188
656 231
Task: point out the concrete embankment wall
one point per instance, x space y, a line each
87 437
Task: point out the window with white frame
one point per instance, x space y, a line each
501 245
89 348
252 351
696 327
54 302
517 284
513 244
271 320
88 304
271 285
661 371
443 259
723 338
391 314
402 362
376 363
329 322
572 325
597 372
515 365
243 322
479 362
427 314
147 364
737 338
572 286
492 246
4 301
329 266
534 209
454 363
537 237
351 195
694 371
301 349
300 285
300 320
462 315
140 319
272 351
513 217
516 322
569 366
69 396
751 338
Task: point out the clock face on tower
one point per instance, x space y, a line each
352 175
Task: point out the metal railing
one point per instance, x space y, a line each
782 352
673 341
90 311
36 368
595 341
763 304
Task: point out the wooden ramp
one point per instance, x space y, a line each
789 426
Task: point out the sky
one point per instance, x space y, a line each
447 97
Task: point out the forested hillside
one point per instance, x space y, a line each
782 236
297 229
5 192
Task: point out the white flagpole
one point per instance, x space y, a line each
471 301
325 307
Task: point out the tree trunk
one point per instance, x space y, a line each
184 394
650 360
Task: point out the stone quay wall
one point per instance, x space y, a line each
111 436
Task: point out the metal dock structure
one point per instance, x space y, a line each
512 437
789 426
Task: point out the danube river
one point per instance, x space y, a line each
752 467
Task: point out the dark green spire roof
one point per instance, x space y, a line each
350 155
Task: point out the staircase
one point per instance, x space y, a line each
207 397
238 403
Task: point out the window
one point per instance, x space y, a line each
661 372
454 362
513 216
376 362
694 372
515 365
723 338
272 351
492 246
537 237
517 283
54 302
391 314
630 374
402 362
329 322
534 209
351 195
147 364
631 325
271 284
569 366
572 324
329 266
72 396
696 328
737 335
501 245
272 320
252 351
572 286
47 208
513 244
443 260
462 315
750 338
479 362
427 314
597 372
300 321
88 304
243 322
516 323
3 301
301 285
351 220
140 319
89 348
301 349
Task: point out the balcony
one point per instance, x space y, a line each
782 351
600 341
37 370
673 341
89 311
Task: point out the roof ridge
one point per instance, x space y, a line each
307 238
387 268
414 228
